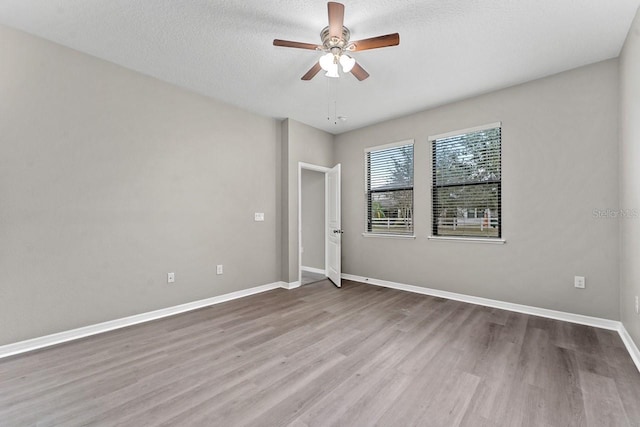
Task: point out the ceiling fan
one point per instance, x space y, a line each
336 44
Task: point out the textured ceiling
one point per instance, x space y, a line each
448 50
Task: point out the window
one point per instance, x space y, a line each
467 183
389 170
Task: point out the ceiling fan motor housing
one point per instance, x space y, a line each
335 45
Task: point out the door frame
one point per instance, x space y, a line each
324 170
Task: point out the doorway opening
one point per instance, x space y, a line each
312 226
319 233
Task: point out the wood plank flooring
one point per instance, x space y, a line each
322 356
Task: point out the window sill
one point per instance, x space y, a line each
390 236
470 239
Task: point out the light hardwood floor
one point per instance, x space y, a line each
322 356
309 277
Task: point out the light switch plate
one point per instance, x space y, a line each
259 216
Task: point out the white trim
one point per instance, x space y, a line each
317 168
469 239
74 334
519 308
631 346
390 236
596 322
98 328
326 225
290 285
313 270
463 131
390 145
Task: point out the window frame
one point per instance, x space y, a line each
462 238
367 213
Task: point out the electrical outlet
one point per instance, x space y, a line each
171 277
579 282
637 305
219 269
259 216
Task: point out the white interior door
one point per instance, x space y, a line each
334 230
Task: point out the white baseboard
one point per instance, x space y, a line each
597 322
313 270
543 312
631 346
291 285
74 334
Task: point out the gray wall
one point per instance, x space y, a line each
560 139
313 219
300 143
630 179
110 179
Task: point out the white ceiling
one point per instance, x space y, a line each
449 49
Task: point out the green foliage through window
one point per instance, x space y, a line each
390 189
467 182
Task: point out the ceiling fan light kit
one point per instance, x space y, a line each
336 43
329 63
347 63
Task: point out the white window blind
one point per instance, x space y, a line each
467 181
389 183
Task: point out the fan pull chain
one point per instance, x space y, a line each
332 96
328 100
